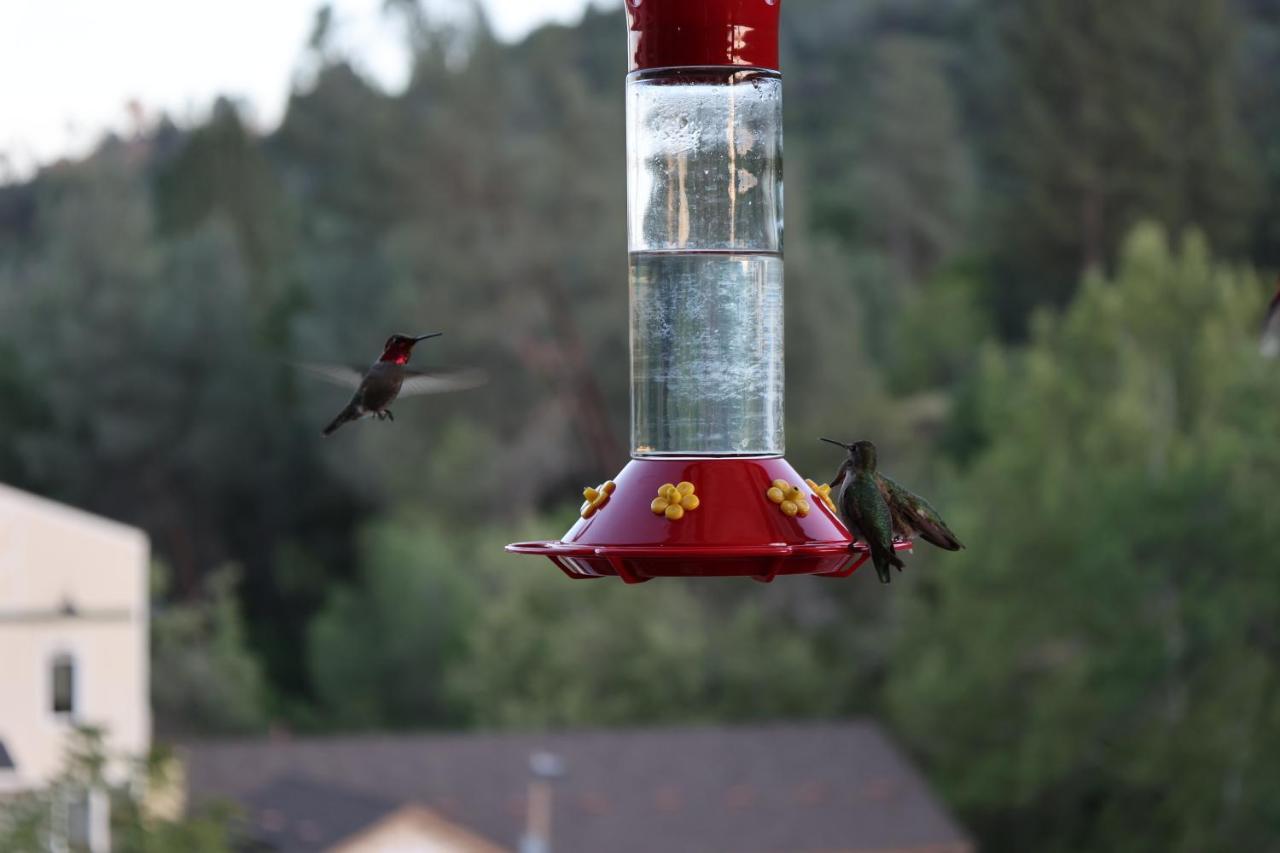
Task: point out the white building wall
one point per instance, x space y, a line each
53 557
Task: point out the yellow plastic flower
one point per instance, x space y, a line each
789 498
596 498
674 500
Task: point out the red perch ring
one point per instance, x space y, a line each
735 529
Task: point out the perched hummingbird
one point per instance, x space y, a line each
387 379
912 515
863 507
1270 345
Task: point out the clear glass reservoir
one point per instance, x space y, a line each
704 159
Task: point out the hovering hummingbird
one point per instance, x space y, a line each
863 507
388 379
1270 344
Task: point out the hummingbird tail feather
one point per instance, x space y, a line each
350 413
883 558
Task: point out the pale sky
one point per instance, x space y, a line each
69 68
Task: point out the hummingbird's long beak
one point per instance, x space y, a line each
837 443
430 335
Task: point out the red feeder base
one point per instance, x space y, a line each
733 530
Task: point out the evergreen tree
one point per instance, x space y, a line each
204 678
1100 672
1108 113
914 181
380 650
613 655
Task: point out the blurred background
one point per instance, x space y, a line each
1030 245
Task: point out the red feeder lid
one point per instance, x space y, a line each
667 33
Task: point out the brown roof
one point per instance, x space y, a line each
796 787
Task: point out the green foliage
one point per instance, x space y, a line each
939 332
1088 140
1258 30
204 678
36 820
380 649
140 390
612 654
221 171
1100 672
914 178
443 628
24 412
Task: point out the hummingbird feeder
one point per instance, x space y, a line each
707 492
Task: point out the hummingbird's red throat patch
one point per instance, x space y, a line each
398 352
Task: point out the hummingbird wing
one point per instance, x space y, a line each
890 490
416 382
338 374
1270 344
917 512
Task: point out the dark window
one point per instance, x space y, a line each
64 685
